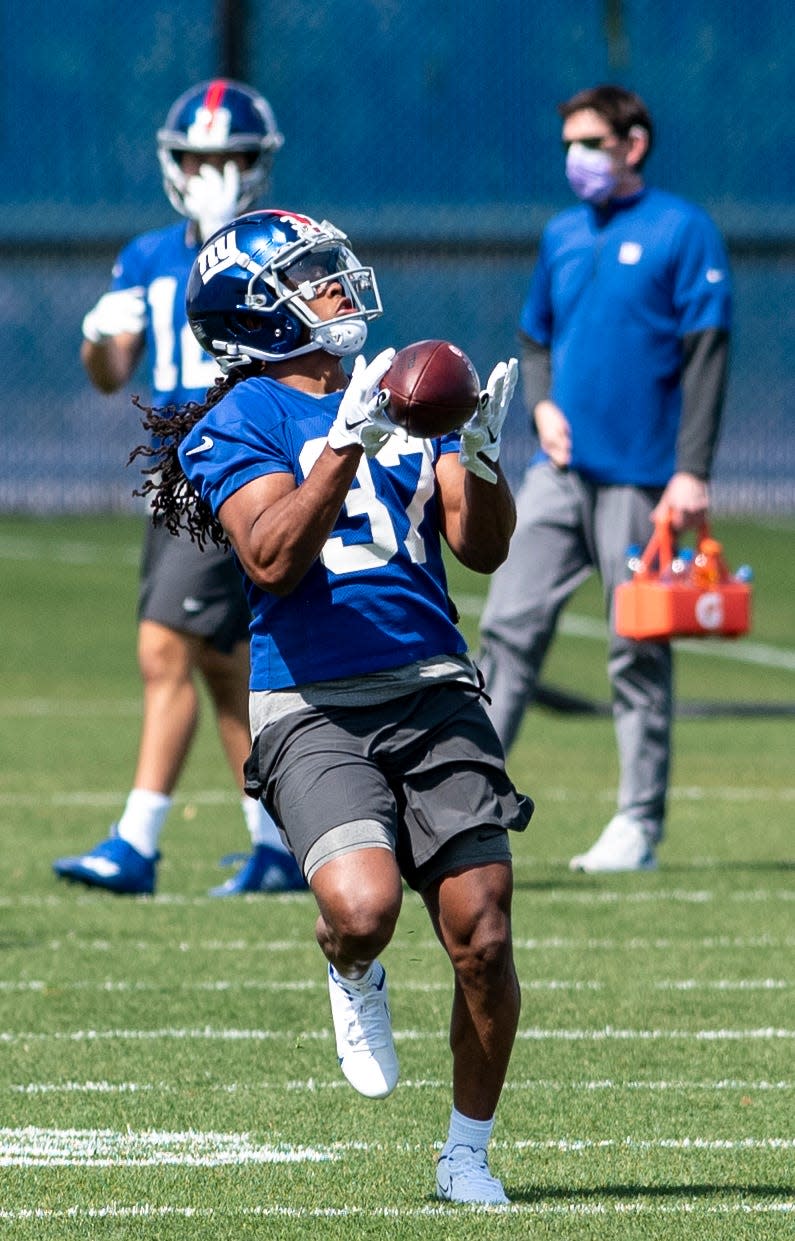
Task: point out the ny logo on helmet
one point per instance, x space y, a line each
210 129
218 255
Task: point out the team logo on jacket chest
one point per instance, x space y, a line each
630 253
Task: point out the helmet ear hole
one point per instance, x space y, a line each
284 330
246 323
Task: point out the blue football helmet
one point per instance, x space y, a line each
252 284
220 115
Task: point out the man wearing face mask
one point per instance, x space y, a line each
625 340
215 150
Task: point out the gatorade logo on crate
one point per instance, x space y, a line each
709 610
672 595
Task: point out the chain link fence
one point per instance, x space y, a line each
429 132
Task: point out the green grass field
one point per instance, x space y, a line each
167 1064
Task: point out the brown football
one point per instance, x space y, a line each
433 386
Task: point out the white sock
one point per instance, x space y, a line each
261 827
464 1131
362 983
143 819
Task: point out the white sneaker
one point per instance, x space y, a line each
363 1029
462 1175
623 845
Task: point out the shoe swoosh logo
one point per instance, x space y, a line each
100 866
206 444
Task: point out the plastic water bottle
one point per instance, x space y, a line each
682 565
634 558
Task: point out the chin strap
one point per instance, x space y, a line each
340 339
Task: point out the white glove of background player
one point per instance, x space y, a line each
359 418
211 197
480 437
115 313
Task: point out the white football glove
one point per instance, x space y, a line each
360 419
116 313
211 197
480 437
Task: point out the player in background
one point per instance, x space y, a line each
371 746
215 149
625 338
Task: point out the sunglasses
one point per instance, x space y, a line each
592 144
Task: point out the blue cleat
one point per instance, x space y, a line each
113 864
265 870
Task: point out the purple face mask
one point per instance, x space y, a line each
590 173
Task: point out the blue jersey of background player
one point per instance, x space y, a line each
157 264
215 150
371 746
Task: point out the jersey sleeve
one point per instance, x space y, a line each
128 268
702 280
226 450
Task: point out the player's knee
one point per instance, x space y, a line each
362 920
484 958
163 654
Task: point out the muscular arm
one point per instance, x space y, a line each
477 518
111 362
278 528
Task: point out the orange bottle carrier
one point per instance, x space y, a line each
705 602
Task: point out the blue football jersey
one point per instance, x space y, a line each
613 294
376 598
160 262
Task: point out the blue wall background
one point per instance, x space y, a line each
428 130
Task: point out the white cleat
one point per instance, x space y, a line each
462 1175
623 845
363 1030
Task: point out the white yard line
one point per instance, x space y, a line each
145 1212
554 943
725 984
49 1147
66 551
105 1148
593 898
311 1085
529 1034
219 797
222 985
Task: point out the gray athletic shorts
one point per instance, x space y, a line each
193 590
423 774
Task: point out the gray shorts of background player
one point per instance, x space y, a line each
423 775
191 589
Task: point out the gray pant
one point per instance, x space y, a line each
566 529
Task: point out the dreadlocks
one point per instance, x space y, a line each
173 500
